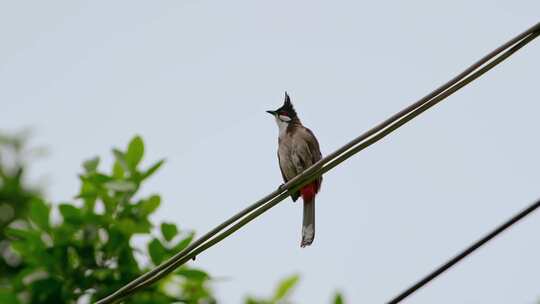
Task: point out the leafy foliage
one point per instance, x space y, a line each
15 197
338 298
89 253
281 294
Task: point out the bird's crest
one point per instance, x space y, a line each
288 107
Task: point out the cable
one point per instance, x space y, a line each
349 153
311 173
167 266
516 218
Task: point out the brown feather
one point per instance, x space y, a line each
298 150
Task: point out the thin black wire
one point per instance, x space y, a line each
516 218
351 152
282 192
362 146
333 164
167 269
486 238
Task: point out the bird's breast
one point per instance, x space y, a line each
285 154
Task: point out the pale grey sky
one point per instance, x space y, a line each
194 78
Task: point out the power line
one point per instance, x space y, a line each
516 218
324 165
183 256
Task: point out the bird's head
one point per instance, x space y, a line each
286 113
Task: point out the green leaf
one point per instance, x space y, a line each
73 259
16 233
150 205
152 169
70 213
118 170
88 190
91 164
338 298
157 251
102 274
169 231
183 243
251 300
96 178
121 159
285 287
135 152
128 226
8 297
120 186
27 243
193 274
39 213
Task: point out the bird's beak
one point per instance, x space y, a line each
271 112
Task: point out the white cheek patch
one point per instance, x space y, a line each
282 126
284 118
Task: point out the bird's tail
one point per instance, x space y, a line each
308 223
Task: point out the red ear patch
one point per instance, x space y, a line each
283 113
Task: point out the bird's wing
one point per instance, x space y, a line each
281 169
313 146
296 194
301 155
309 150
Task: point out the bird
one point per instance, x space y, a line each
298 149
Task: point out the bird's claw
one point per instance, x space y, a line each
282 187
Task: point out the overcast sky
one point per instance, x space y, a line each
194 79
